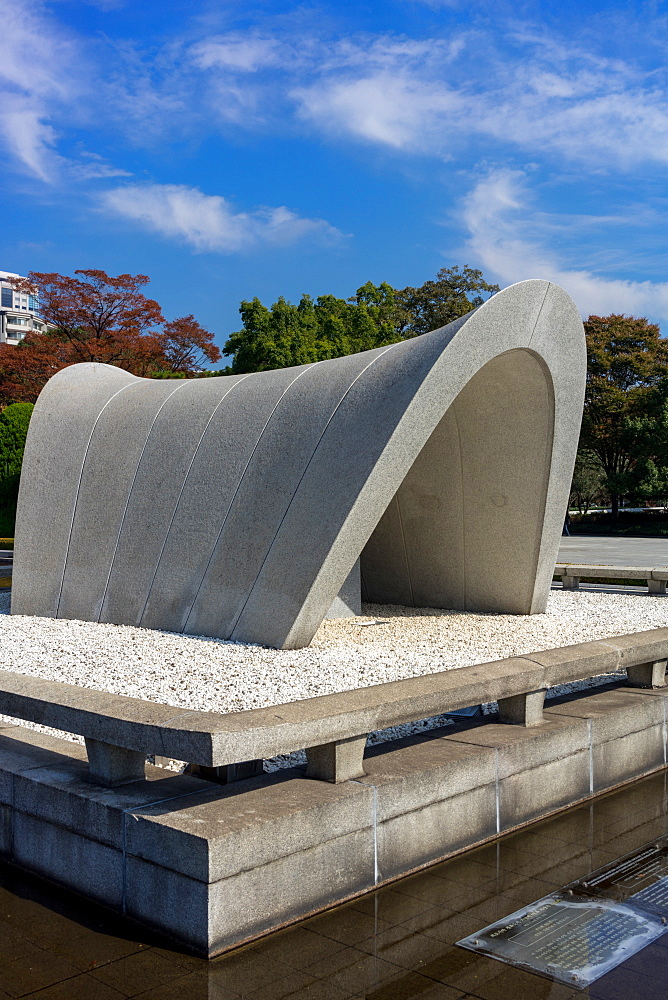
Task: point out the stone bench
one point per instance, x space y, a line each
120 732
572 573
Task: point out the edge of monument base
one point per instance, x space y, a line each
213 867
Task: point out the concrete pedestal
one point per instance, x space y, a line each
212 866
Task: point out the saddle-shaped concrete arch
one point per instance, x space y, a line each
237 507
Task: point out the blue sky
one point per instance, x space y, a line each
233 149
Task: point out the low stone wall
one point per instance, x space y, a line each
213 866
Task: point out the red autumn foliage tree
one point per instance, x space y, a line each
185 345
97 317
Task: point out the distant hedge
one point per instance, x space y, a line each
14 421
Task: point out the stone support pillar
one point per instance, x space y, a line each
338 761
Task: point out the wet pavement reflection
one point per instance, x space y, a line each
395 944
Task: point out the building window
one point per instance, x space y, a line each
17 321
32 302
7 299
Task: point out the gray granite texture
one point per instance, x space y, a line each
331 728
216 866
238 507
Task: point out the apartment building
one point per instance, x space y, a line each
19 311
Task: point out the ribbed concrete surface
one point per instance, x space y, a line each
236 507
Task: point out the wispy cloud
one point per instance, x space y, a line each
500 85
503 237
233 52
393 109
37 71
28 138
530 92
91 166
483 91
44 83
209 222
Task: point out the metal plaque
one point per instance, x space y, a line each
641 878
569 936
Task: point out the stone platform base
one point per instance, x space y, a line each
212 866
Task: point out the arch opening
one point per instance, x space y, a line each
464 528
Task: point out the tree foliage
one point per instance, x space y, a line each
647 438
185 346
436 303
14 421
625 403
588 486
330 327
98 317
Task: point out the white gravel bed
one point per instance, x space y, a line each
214 675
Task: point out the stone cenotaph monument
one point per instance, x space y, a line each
433 472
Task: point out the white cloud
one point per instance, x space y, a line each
536 95
28 138
502 238
382 53
94 169
388 108
38 71
208 222
494 86
236 52
488 87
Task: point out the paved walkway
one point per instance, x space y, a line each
618 551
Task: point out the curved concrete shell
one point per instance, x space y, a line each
237 507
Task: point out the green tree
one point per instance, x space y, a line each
14 421
330 327
648 440
588 486
271 338
627 373
436 303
